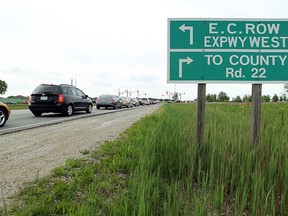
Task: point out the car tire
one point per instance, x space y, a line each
3 117
98 107
68 110
89 108
36 113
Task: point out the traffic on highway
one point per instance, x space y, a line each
24 119
54 103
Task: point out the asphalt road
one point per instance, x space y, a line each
24 119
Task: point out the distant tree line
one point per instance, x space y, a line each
223 97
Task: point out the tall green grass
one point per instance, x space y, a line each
156 168
223 176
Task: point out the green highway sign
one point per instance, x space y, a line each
227 50
223 66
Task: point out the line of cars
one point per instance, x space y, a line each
67 99
115 102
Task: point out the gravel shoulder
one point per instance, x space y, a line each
29 154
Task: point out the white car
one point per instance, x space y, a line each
135 101
146 101
126 102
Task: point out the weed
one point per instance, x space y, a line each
156 168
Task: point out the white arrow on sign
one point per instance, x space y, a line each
190 28
181 61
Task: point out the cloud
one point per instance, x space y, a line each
106 45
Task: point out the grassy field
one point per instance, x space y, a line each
17 106
156 168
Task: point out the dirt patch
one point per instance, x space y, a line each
29 154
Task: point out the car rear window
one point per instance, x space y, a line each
105 97
48 89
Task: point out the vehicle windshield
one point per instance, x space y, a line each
49 89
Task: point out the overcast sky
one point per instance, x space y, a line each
108 45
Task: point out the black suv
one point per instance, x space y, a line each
58 99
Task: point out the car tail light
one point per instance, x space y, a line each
60 98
